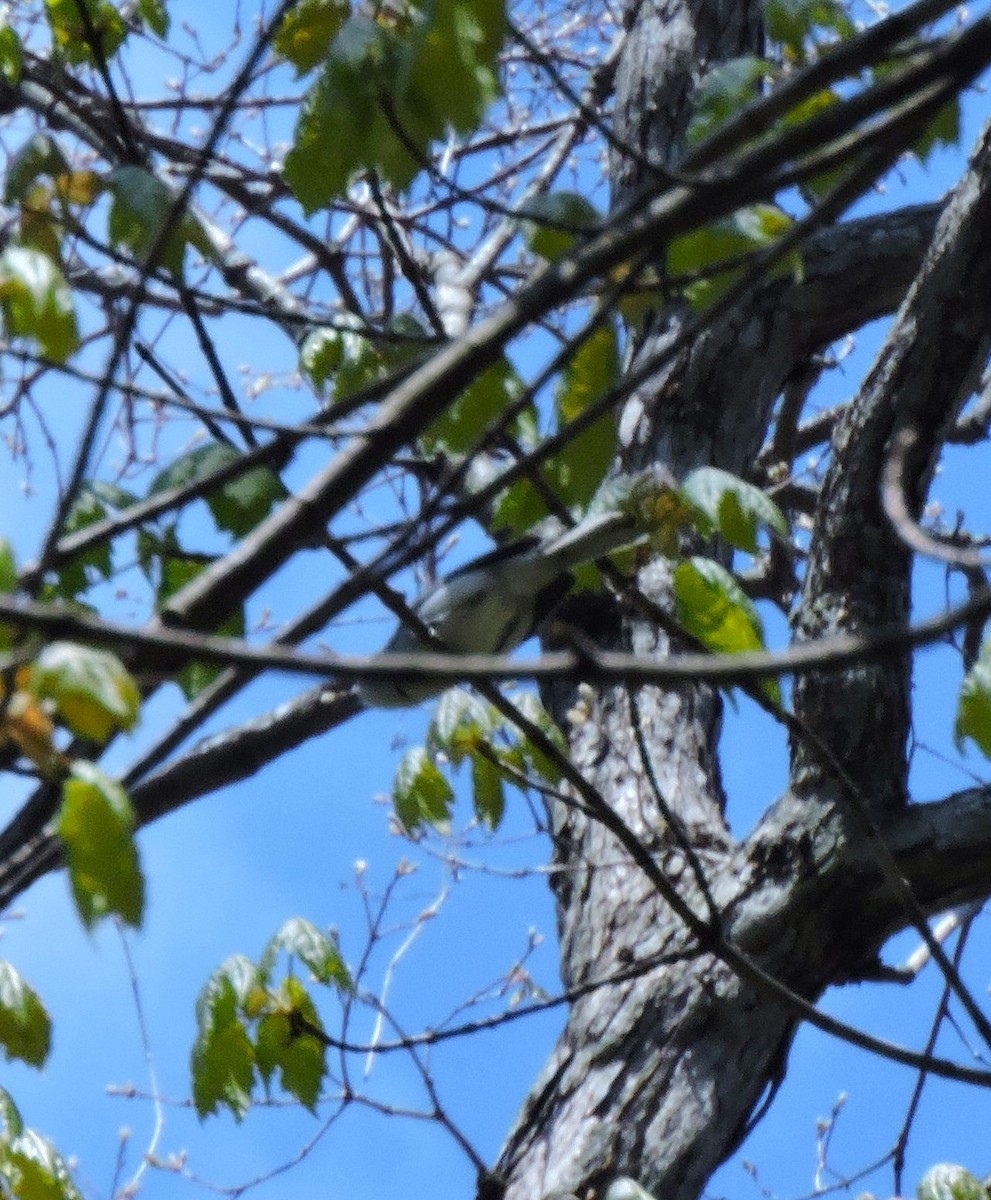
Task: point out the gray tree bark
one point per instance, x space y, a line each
658 1075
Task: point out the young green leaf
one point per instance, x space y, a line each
25 1026
319 951
732 507
488 793
299 1055
11 54
223 1058
89 39
8 584
40 155
947 1181
37 301
553 223
307 31
793 22
974 708
460 722
142 204
33 1169
714 608
531 707
96 824
155 15
724 90
477 409
93 692
420 793
698 256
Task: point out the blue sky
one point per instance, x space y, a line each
224 875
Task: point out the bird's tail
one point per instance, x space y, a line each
601 534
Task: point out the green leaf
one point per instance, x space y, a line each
12 1122
791 22
155 15
40 155
946 1181
724 90
448 66
476 409
299 1056
462 720
88 567
944 130
11 54
34 1170
728 241
8 584
974 707
237 506
732 506
714 608
142 204
93 692
74 36
307 31
223 1058
421 794
531 707
37 301
390 87
591 372
177 568
25 1026
488 793
554 222
319 951
246 501
96 823
8 568
341 127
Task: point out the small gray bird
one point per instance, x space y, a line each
494 603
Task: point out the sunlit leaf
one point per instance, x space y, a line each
793 22
307 31
37 301
546 767
420 793
96 824
477 409
93 692
285 1043
318 950
34 1170
155 15
86 39
25 1026
223 1058
8 584
732 507
714 608
947 1181
462 720
974 706
11 54
728 241
488 792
